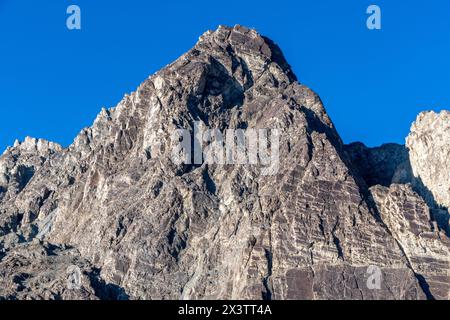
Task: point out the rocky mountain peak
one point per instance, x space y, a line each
256 50
33 145
116 207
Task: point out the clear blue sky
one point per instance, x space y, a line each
54 81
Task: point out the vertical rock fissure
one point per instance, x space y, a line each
267 295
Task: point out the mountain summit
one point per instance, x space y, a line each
114 216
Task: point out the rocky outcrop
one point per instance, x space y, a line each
154 228
423 163
429 148
19 164
428 144
408 218
41 271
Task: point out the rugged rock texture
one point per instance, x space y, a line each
429 149
408 218
38 271
423 163
116 205
381 165
18 165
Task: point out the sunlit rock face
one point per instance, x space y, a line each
139 225
429 150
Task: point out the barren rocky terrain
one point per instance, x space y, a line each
112 216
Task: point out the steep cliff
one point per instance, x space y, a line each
140 225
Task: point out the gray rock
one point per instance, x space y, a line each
429 148
151 228
408 218
382 165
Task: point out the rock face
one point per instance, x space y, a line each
381 165
139 225
429 149
423 163
18 165
408 218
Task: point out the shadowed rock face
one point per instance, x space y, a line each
381 165
145 227
423 163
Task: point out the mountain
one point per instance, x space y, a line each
117 216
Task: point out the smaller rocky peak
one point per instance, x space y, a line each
104 115
19 163
423 163
426 121
30 152
429 149
29 145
